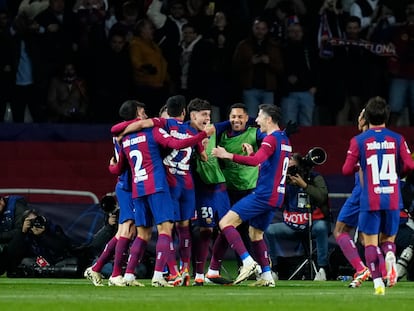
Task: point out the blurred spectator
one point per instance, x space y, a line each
90 31
382 19
168 34
39 239
25 70
221 93
258 66
278 17
201 14
112 78
380 32
331 89
283 10
55 39
127 21
299 78
150 75
11 213
68 100
370 12
6 60
197 66
298 6
355 62
31 8
401 68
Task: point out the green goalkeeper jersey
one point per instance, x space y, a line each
239 176
209 171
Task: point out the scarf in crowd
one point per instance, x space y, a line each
325 33
375 48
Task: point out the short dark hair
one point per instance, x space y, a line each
238 106
198 104
162 110
176 2
176 105
353 19
128 110
262 19
140 24
192 26
377 111
272 111
130 8
117 31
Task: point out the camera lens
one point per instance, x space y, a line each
38 222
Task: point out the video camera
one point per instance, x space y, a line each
315 156
109 205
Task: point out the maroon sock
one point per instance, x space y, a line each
373 261
184 247
172 260
350 251
162 250
120 249
388 247
106 255
235 241
261 254
219 250
135 254
202 250
382 266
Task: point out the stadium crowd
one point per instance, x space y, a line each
77 61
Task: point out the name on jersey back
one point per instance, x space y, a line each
134 141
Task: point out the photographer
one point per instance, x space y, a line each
45 243
11 211
88 253
111 210
306 191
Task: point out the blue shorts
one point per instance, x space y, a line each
184 203
126 205
349 212
376 222
212 204
153 209
258 212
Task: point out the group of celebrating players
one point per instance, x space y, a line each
231 173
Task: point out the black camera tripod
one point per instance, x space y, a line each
309 260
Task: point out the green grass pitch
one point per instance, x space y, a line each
79 294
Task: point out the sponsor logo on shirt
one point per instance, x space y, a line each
287 148
384 190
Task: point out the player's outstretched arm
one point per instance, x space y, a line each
166 140
350 166
265 151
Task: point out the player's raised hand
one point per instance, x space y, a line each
247 148
221 153
112 161
209 129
